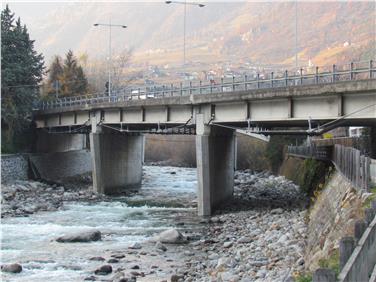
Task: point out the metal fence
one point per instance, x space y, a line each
302 76
322 153
349 161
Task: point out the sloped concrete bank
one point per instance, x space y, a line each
335 208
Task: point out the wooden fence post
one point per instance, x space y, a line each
346 247
324 275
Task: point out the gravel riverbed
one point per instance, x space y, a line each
260 235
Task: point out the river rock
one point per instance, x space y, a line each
160 246
135 246
171 236
103 270
97 259
113 260
80 237
227 244
12 268
175 278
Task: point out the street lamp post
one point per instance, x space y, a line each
109 25
185 3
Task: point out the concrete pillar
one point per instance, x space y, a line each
215 152
117 161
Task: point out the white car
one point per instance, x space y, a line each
136 95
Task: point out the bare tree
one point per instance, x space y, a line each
97 72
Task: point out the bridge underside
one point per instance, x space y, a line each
116 130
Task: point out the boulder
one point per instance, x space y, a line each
171 236
12 268
80 237
104 270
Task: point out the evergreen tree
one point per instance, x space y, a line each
21 71
82 84
55 73
73 80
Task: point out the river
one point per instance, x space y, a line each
166 199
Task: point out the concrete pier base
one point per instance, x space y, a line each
117 161
215 152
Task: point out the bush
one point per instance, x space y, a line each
313 176
332 262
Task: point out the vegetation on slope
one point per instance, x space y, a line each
21 71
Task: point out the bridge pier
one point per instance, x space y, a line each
215 150
117 161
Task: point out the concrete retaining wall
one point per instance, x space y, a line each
14 167
57 166
332 217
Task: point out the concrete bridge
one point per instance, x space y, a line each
116 124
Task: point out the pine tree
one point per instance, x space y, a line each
73 80
21 71
82 84
55 73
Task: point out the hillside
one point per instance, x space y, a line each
263 32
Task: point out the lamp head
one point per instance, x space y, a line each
96 24
201 5
124 26
168 2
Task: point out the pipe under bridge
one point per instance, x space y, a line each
116 127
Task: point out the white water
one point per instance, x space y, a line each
30 240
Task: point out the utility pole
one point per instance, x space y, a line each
185 3
109 25
296 35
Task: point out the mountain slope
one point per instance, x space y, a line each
263 32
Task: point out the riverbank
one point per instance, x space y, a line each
259 236
26 197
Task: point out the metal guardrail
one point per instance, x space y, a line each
303 76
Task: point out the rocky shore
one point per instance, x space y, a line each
22 198
258 236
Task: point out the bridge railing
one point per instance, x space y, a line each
302 76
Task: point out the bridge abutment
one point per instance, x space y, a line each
215 149
55 142
117 161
